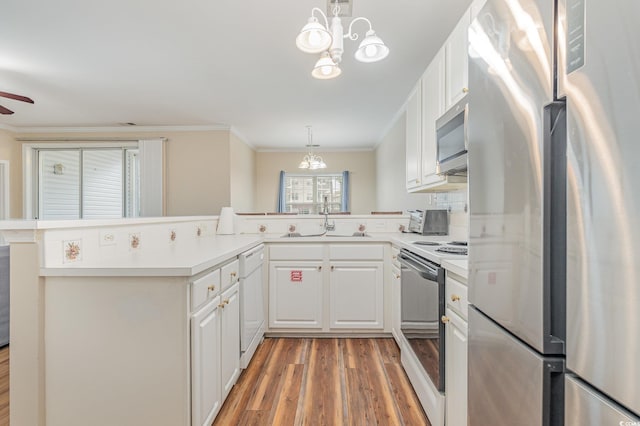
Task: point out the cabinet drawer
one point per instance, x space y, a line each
295 252
456 297
356 252
229 274
205 288
395 271
395 253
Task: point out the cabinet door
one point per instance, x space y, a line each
456 370
205 364
456 51
432 109
229 339
356 295
295 295
413 137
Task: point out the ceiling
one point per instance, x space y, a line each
211 62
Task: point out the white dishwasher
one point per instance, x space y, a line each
251 303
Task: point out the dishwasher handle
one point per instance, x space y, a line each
425 271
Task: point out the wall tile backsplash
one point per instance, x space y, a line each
452 201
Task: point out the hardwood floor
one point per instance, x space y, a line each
4 386
323 382
309 382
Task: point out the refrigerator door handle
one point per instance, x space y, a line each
554 225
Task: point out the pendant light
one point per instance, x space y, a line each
314 37
311 161
326 68
327 39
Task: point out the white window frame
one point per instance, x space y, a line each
31 170
315 204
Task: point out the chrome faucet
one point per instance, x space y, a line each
325 211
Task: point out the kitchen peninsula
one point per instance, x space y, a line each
104 313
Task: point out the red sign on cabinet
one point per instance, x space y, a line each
296 276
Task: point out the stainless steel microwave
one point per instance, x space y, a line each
451 137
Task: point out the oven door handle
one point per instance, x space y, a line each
424 271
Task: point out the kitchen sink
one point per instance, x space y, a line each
355 234
324 234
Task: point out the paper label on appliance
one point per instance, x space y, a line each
575 34
296 276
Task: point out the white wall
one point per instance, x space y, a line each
361 164
391 191
391 184
243 175
197 167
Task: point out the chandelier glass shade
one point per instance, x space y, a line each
312 162
314 37
326 68
327 40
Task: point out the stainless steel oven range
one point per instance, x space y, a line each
422 293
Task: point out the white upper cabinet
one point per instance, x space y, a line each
444 83
456 47
413 137
433 93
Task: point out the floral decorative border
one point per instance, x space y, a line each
134 241
72 251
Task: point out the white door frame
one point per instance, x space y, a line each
5 194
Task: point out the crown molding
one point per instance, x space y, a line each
316 150
122 129
240 136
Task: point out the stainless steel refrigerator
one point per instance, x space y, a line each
531 210
602 88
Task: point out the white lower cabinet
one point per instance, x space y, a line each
356 290
456 370
295 294
215 355
456 350
206 392
229 339
341 289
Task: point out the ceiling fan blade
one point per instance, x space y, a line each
5 111
16 97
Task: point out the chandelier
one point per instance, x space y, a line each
312 161
328 41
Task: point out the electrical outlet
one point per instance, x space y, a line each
107 238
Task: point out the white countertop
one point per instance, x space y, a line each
192 259
457 266
175 261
